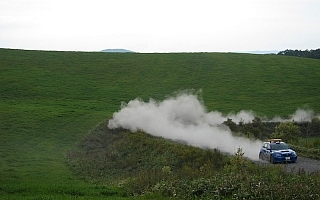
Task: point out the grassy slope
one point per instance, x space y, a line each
49 100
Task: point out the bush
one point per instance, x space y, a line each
307 152
287 131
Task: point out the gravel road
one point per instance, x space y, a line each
303 164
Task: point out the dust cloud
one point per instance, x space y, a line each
185 118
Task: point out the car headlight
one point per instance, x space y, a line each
294 153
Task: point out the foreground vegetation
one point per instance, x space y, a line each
142 164
50 100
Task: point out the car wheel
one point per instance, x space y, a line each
271 159
260 156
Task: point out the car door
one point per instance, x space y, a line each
264 151
268 151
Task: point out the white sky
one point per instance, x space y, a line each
160 25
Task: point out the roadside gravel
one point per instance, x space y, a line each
302 165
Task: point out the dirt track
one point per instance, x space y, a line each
303 164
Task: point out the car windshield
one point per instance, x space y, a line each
279 146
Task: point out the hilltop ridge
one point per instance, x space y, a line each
117 51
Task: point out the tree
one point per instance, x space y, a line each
299 53
315 126
232 125
287 131
254 128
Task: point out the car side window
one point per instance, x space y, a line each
265 145
268 146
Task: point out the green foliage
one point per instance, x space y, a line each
232 125
313 153
113 155
251 182
312 53
186 172
316 143
238 163
255 129
287 131
315 125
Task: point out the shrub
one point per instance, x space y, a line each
287 131
307 152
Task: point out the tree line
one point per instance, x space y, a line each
313 53
286 130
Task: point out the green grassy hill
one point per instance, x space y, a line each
50 100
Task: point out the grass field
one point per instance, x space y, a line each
50 100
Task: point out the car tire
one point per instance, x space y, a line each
272 160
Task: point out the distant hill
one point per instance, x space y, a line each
117 51
259 52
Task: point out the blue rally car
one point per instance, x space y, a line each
277 151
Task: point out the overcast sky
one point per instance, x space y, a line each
160 25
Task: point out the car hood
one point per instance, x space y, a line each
283 151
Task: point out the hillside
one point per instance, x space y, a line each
267 84
50 100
